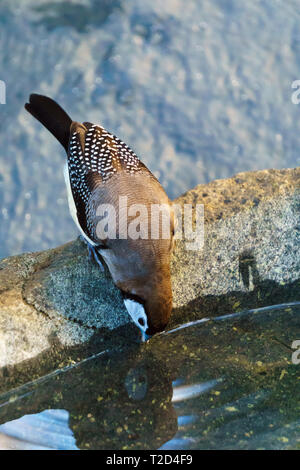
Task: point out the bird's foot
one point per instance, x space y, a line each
93 254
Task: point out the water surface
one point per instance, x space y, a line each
226 383
200 90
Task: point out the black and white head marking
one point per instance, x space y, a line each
137 312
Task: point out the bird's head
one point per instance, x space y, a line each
149 303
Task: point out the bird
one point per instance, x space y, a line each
100 171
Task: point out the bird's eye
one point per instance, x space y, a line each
137 313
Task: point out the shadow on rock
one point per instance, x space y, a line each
259 293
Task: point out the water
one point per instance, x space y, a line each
200 90
217 384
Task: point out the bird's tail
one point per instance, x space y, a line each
52 116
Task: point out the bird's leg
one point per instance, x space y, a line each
93 254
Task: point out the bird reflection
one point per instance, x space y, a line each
115 401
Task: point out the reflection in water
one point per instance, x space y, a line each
136 383
114 401
12 443
192 391
46 430
213 385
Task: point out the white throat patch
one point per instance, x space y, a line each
138 315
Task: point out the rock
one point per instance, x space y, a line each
39 292
251 247
57 299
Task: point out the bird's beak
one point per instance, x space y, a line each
145 337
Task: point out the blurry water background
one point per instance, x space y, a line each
199 89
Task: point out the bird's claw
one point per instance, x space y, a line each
93 254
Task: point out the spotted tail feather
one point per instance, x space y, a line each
52 116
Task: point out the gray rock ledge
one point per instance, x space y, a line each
250 258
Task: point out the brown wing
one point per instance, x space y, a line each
94 156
